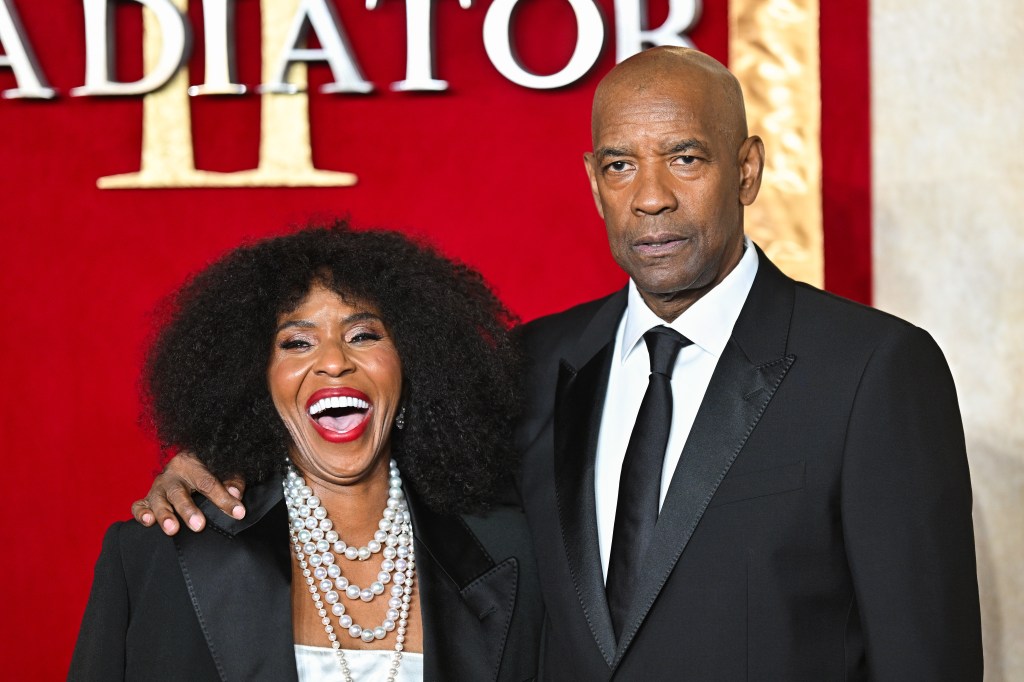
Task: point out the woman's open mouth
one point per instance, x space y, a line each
339 414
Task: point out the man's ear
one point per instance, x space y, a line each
751 162
591 164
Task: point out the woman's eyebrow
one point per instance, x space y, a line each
306 324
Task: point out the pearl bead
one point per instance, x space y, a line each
401 564
366 635
320 513
366 595
304 535
394 602
310 523
317 535
326 585
390 552
313 502
331 536
331 597
379 632
379 536
314 560
351 553
326 524
340 547
384 577
328 558
341 582
352 592
396 591
320 573
392 614
389 625
373 546
355 630
363 553
345 621
338 609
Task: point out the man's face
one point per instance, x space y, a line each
670 180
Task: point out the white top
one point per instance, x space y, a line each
708 323
320 664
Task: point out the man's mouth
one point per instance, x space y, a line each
659 244
339 414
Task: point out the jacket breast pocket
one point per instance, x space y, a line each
781 479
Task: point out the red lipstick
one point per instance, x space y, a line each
340 429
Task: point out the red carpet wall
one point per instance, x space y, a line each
488 169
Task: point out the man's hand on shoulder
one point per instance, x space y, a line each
170 496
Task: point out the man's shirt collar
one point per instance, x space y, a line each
709 321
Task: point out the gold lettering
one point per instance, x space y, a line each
285 157
773 50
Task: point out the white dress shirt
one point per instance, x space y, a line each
708 324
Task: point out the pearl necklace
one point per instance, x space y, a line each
313 538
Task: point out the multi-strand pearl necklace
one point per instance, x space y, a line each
318 549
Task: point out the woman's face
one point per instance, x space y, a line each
336 380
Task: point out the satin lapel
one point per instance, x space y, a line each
466 600
239 576
579 401
751 368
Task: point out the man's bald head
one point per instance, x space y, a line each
675 72
671 170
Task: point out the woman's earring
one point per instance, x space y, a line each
400 419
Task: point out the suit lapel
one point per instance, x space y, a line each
466 600
748 373
239 576
582 383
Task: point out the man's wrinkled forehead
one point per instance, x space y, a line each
686 77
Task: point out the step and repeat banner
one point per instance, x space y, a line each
143 138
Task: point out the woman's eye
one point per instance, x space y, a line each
362 337
291 344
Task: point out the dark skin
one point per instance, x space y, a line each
671 170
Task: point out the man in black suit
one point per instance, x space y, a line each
730 475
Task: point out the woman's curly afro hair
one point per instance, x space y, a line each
205 378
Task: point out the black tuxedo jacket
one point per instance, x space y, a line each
818 524
217 605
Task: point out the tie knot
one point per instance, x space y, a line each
663 345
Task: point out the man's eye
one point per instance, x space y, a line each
618 166
688 160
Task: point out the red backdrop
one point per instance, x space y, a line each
489 171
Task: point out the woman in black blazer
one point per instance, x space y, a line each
364 385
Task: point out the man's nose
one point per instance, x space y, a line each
653 193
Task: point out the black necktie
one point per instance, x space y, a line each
640 484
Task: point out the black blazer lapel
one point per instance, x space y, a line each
466 600
579 402
750 370
239 576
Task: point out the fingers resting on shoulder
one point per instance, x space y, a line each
170 497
